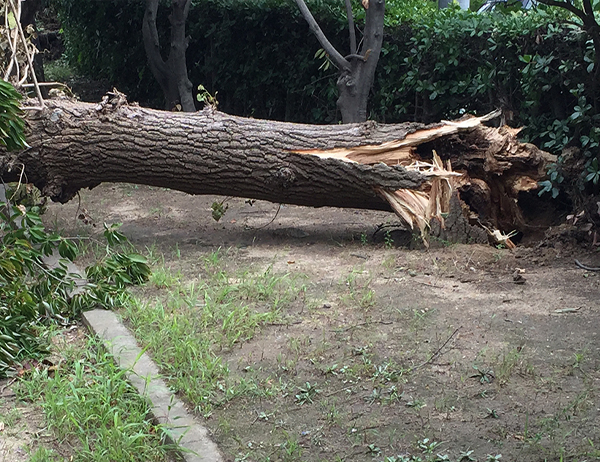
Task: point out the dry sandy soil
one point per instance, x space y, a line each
403 344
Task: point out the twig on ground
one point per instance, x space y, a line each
9 383
361 325
437 352
272 220
585 267
340 390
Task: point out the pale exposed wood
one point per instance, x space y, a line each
400 151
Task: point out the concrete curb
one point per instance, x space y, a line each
182 430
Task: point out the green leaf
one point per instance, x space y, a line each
12 21
67 249
525 58
137 258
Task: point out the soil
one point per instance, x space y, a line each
480 348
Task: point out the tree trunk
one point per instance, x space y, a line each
171 74
357 70
75 145
355 82
78 145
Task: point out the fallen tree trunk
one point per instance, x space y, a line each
75 145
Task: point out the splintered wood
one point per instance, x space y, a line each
502 167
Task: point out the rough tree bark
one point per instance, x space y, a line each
75 145
79 145
171 74
356 70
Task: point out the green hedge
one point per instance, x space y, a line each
260 57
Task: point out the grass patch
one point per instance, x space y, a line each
89 404
45 455
187 328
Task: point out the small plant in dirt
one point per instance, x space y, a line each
359 290
428 446
219 209
578 359
364 240
388 239
45 455
373 450
483 375
387 372
492 414
505 368
466 456
306 393
11 418
432 456
290 450
416 403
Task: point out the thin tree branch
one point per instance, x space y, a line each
587 7
27 53
151 41
351 28
334 55
12 44
437 352
567 6
355 56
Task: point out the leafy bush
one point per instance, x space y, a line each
11 124
260 57
33 295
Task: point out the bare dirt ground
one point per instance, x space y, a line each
402 345
19 424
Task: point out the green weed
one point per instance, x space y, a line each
187 327
163 278
359 291
505 368
89 399
11 418
306 393
43 454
